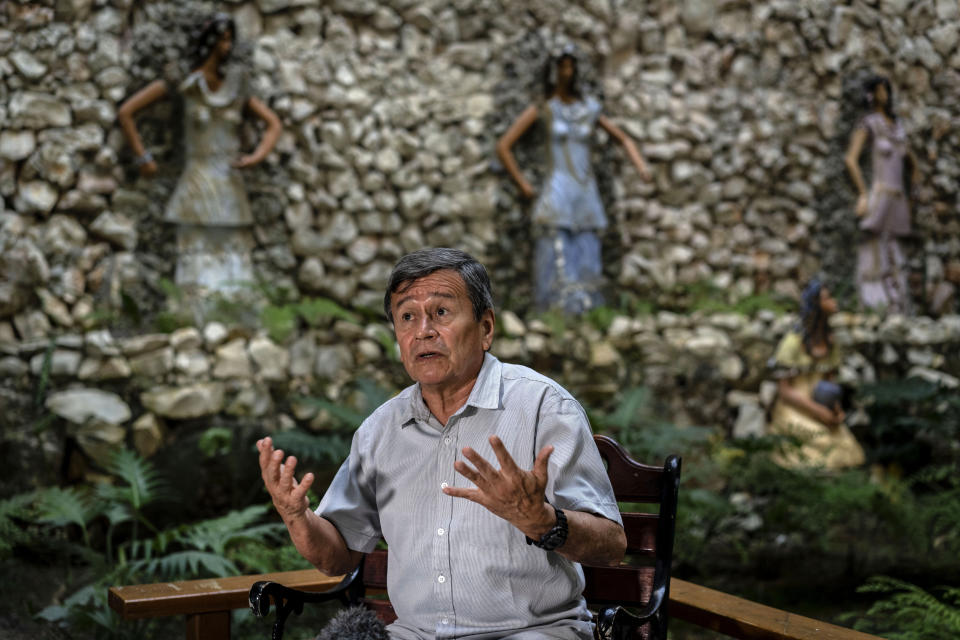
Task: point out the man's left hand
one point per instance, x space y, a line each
512 493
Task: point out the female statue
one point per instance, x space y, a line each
568 214
209 203
883 209
808 401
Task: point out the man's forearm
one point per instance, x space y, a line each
321 544
593 539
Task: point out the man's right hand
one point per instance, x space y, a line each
289 496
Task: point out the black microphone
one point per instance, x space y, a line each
354 623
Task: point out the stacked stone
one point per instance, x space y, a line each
390 111
704 369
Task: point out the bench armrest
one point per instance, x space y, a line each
287 600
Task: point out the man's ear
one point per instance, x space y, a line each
487 323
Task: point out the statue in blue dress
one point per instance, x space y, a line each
568 214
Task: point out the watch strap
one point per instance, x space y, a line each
556 536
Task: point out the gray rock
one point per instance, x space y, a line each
116 228
140 344
303 355
100 440
232 360
116 368
27 64
333 362
252 400
186 339
751 421
12 367
181 403
192 362
36 196
54 308
32 325
33 110
214 333
272 361
149 432
312 275
153 364
17 145
82 405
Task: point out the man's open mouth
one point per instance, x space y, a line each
427 355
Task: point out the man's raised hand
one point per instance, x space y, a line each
512 493
289 496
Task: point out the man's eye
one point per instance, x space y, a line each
441 311
406 316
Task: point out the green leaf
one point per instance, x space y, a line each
280 322
315 311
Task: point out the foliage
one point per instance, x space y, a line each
333 444
119 554
913 422
707 297
909 612
281 319
12 511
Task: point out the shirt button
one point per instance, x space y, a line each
440 531
441 579
443 485
444 621
446 440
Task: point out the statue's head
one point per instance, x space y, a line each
561 70
816 306
214 37
878 92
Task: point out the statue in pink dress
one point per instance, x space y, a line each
883 209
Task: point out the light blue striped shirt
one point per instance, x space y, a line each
456 570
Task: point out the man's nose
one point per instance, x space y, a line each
425 328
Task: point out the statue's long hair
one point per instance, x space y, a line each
813 321
569 52
870 88
208 34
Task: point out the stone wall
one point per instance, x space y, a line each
703 369
390 112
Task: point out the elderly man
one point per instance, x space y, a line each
476 551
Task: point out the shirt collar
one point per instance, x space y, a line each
486 393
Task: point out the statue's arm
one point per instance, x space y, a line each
626 141
852 160
504 145
270 136
141 99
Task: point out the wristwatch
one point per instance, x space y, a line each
557 535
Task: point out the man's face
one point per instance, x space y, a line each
441 342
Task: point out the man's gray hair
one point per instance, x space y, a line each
423 262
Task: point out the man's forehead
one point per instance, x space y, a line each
444 283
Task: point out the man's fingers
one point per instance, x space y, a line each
506 461
484 468
540 464
473 495
300 488
470 474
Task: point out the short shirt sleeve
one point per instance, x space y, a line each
576 477
350 501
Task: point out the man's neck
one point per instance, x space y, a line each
443 404
445 401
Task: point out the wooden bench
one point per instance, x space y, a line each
207 603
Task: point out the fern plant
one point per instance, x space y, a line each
909 612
